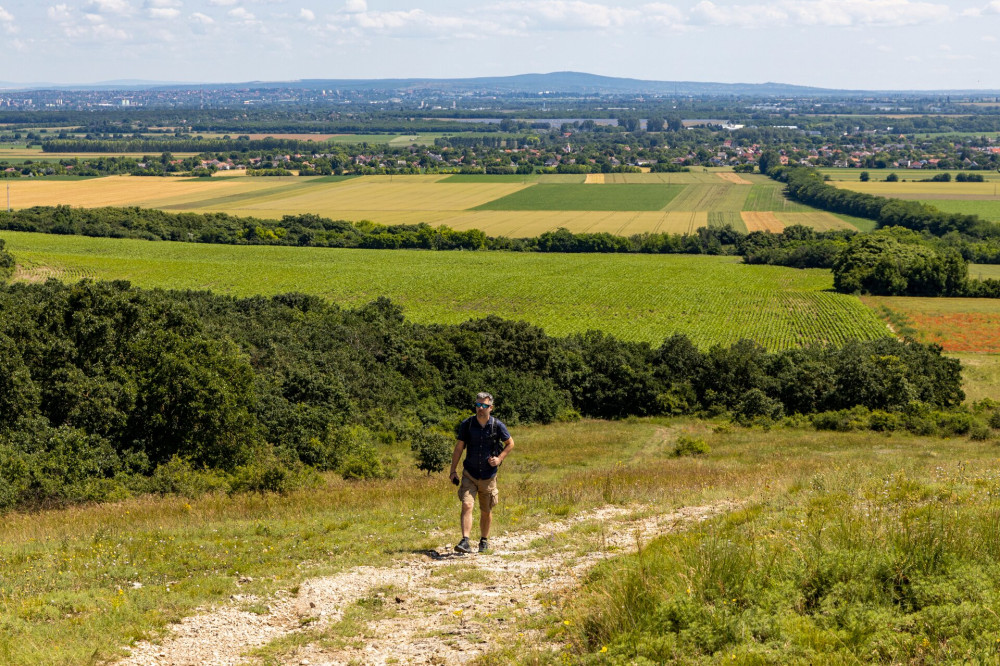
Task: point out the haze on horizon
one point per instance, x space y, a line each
855 44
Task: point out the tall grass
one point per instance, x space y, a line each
887 554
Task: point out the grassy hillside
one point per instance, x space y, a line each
79 584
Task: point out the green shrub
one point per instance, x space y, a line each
433 450
979 432
6 263
178 477
355 454
687 445
995 420
270 476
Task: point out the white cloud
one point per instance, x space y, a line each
826 13
993 7
163 13
573 14
223 3
60 13
989 38
109 6
99 32
241 14
161 4
355 6
5 16
307 15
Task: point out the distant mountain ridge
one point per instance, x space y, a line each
580 83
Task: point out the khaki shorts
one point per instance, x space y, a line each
486 489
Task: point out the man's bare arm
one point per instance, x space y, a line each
456 455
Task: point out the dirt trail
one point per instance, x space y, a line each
434 607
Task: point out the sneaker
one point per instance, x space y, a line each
484 545
463 546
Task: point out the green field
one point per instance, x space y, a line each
587 197
984 271
634 297
768 197
986 209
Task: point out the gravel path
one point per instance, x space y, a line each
436 607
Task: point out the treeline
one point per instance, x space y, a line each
893 261
107 390
309 230
7 262
186 145
807 186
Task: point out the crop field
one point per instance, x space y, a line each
585 197
499 205
635 297
878 175
988 209
720 198
818 220
957 324
768 197
918 190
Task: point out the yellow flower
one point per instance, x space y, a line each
567 622
458 613
604 648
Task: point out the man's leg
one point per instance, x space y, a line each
485 520
466 519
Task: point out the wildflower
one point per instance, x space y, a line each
604 648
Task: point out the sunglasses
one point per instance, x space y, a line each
483 405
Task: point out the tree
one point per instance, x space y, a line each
892 178
768 160
865 177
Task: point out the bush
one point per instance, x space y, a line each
355 454
178 477
690 446
270 476
979 432
433 450
755 407
6 263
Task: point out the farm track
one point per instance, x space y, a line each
427 619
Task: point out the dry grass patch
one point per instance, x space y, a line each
819 221
734 178
755 221
594 179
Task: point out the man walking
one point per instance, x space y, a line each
486 443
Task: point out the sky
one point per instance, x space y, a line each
853 44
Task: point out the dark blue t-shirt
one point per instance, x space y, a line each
481 442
